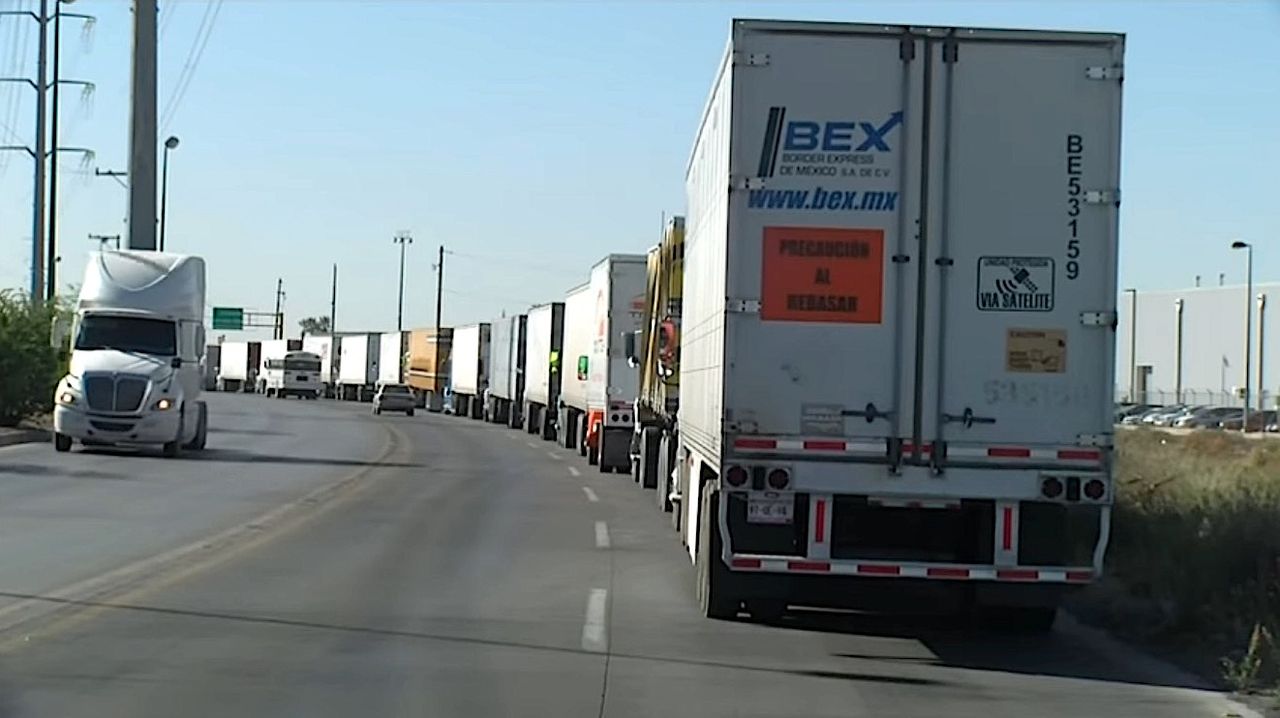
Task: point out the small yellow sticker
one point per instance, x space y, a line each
1036 351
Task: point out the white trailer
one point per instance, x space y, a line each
506 370
617 295
579 314
358 366
470 377
544 339
238 366
322 346
392 348
898 307
273 350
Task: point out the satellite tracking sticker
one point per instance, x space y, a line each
814 274
1015 284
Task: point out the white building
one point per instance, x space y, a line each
1190 346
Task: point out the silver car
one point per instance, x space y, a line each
394 397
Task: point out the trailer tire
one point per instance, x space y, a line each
61 443
1029 620
580 430
409 412
766 610
714 589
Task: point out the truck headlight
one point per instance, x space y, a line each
66 398
164 404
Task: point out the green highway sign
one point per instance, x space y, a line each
228 318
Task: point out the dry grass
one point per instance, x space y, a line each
1195 547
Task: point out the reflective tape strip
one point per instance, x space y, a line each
817 446
945 572
1023 452
901 503
820 521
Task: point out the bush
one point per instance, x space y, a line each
29 366
1196 538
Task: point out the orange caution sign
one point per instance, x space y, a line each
815 274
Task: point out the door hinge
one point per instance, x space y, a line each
1098 319
742 306
950 50
1103 441
751 59
1102 196
901 258
1105 72
746 183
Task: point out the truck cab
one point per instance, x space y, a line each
138 349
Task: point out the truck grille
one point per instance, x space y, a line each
112 393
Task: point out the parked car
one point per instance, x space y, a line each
1208 418
394 397
1168 418
1127 409
1154 418
1136 418
1258 421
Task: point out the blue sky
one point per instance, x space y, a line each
533 138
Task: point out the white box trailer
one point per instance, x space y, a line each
506 370
617 292
392 349
544 340
898 307
322 346
238 368
575 368
358 366
470 377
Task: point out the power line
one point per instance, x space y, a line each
193 60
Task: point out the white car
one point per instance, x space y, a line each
394 397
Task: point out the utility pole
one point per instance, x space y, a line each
51 288
439 290
279 331
402 238
143 133
42 152
333 333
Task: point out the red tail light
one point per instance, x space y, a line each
736 476
779 479
1051 487
1094 489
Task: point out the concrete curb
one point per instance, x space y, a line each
9 437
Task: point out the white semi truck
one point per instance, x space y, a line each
238 366
898 319
470 377
544 339
617 293
571 413
137 360
392 350
506 371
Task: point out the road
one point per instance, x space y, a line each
437 566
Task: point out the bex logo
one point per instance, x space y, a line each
832 136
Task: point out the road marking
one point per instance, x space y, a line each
602 535
573 471
554 455
593 632
591 496
531 444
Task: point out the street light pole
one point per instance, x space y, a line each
169 144
1248 329
1133 345
402 238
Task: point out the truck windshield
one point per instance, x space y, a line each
130 334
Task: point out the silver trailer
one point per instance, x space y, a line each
358 357
617 290
899 303
506 371
579 313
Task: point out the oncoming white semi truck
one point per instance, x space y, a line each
898 318
138 349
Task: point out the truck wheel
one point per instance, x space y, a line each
198 441
766 610
713 588
1031 620
409 412
61 443
580 427
593 456
172 449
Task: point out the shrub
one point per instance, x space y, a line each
29 366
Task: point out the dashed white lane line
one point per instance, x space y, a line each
554 455
602 535
591 496
593 631
531 445
573 471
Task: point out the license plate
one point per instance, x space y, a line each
770 509
300 377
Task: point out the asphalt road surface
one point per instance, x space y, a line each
319 561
